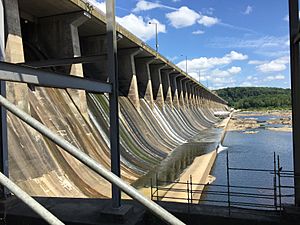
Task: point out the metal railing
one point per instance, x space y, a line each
29 201
91 163
270 197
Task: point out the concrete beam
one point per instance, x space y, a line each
65 61
157 89
144 78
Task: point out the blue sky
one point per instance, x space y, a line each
228 42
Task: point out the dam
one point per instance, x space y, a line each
92 117
161 107
54 72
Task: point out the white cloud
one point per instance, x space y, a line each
274 65
225 73
208 21
208 11
204 63
99 5
197 32
246 84
235 70
146 5
272 78
248 10
141 27
211 68
233 55
256 62
183 17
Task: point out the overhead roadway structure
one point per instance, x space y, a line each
92 29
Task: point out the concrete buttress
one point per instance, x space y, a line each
155 72
165 78
174 89
128 85
17 93
181 92
142 66
59 37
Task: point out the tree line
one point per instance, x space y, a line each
256 97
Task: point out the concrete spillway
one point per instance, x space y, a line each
161 107
147 137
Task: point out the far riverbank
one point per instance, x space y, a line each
249 121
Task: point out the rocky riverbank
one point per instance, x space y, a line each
250 121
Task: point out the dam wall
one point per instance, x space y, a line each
161 107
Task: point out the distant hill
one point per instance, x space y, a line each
256 97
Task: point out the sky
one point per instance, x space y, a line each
227 43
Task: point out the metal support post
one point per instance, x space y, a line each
191 188
156 178
275 183
228 182
295 81
3 120
151 189
112 69
279 183
188 194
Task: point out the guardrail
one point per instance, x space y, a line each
231 195
88 161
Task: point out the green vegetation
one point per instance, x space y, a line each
256 97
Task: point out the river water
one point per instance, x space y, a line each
251 151
182 157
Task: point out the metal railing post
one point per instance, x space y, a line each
275 182
157 197
279 182
191 188
151 190
228 182
188 194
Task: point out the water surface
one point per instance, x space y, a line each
252 151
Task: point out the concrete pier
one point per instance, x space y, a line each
155 72
165 77
128 84
144 78
174 89
14 53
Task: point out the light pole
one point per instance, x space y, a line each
186 64
199 76
156 36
